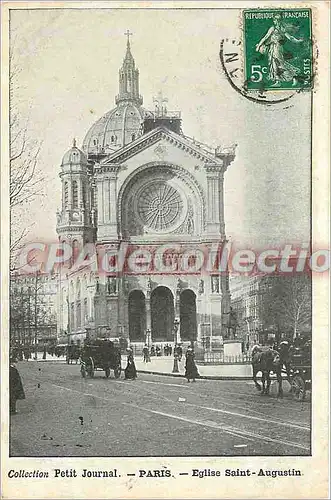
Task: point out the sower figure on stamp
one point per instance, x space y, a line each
280 70
191 371
16 390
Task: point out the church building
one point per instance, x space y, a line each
138 182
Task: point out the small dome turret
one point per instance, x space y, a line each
74 156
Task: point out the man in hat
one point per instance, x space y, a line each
16 390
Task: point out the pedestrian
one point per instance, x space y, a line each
191 371
180 352
170 350
146 353
27 353
130 371
45 351
16 390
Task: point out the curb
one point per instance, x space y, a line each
203 377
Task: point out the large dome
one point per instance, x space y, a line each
115 129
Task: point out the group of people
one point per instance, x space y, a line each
191 371
21 352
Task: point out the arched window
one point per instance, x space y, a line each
75 251
74 194
84 193
133 137
66 194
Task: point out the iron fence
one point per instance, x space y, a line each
218 358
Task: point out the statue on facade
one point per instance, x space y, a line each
149 287
215 284
201 287
178 289
112 285
126 287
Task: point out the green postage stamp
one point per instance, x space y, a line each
278 49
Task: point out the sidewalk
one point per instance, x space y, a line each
164 365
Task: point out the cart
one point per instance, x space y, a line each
101 354
300 369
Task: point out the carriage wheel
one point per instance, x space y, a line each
91 372
298 388
117 372
83 371
107 372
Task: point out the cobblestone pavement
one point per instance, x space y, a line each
66 415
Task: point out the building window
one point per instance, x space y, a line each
85 311
66 194
84 193
79 314
74 194
133 136
72 317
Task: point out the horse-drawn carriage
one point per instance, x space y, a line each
300 371
101 354
72 353
293 361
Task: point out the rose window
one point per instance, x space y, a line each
159 206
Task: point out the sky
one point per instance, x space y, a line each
69 61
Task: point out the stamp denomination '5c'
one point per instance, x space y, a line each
278 49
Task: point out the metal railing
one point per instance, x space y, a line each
218 358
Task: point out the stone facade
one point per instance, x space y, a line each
157 188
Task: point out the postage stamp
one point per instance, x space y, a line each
278 49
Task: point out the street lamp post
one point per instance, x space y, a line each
148 337
175 368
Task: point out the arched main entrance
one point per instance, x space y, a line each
162 314
188 315
137 316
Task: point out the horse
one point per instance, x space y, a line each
73 353
266 361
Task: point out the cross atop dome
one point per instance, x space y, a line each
128 34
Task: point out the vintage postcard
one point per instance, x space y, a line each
165 249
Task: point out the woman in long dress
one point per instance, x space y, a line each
191 371
272 43
130 371
16 390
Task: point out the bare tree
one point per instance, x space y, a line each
25 178
285 304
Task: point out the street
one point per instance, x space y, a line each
66 415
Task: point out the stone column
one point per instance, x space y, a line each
148 309
221 206
106 177
214 198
